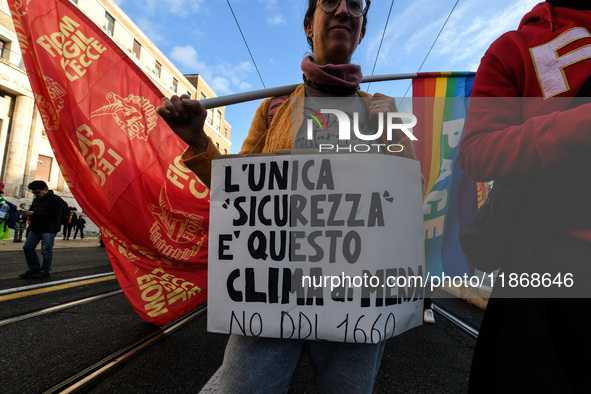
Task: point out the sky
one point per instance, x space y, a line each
202 37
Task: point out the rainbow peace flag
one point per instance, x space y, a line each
440 103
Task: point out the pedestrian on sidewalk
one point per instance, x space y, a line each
72 219
80 224
21 224
4 210
46 214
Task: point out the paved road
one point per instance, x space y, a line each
37 353
7 245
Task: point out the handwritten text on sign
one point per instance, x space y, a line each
314 246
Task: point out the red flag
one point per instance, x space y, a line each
481 191
120 160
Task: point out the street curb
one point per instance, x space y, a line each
8 245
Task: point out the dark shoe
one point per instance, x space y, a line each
40 275
28 274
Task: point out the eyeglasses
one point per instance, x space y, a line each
35 192
356 8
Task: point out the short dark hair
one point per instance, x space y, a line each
37 185
310 15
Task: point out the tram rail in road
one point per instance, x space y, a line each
89 377
46 287
468 329
93 375
96 373
57 308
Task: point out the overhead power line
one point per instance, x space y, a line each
244 39
381 41
437 38
434 42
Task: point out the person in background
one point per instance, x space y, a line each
72 220
541 140
80 224
21 225
4 210
45 213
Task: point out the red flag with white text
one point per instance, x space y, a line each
120 160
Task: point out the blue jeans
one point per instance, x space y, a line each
265 365
31 243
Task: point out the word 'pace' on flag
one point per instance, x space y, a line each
441 101
120 161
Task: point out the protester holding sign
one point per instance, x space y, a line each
527 125
334 30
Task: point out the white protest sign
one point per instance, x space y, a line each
316 246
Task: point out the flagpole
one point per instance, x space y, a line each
246 96
287 89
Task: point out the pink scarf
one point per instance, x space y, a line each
347 76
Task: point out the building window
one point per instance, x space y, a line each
217 145
5 50
218 120
43 168
109 23
175 85
137 48
158 69
225 132
225 151
209 119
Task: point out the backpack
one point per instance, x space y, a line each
11 215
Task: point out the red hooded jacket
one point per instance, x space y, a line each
522 120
